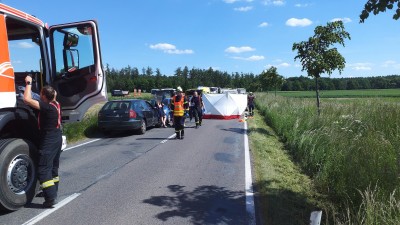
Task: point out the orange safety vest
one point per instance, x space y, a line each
178 106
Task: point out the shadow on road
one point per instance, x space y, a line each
203 205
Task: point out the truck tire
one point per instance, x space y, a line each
18 178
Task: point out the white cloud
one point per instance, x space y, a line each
344 20
294 22
283 65
263 24
251 58
360 66
391 63
230 1
274 2
25 45
280 65
170 49
244 9
233 1
302 5
233 49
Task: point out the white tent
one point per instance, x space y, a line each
224 106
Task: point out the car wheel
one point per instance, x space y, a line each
143 127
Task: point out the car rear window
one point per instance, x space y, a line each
117 105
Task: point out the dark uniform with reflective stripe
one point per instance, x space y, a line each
197 103
178 105
49 149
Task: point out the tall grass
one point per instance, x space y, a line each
350 147
79 130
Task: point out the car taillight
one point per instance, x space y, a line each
132 114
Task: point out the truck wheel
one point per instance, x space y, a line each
18 181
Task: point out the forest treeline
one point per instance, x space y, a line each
129 78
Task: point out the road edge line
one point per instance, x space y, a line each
76 146
249 182
47 212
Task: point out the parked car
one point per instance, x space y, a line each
127 114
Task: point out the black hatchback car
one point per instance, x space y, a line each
127 114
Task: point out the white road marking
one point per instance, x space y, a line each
47 212
81 144
249 183
168 138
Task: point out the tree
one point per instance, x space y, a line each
271 79
377 6
317 57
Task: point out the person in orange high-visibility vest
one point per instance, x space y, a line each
178 106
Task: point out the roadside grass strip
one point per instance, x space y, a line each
283 194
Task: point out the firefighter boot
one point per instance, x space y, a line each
178 135
182 133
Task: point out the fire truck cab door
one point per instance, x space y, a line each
77 70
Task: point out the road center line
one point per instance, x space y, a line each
47 212
249 183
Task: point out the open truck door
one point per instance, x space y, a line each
78 74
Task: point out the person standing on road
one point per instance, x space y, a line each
49 120
197 104
250 103
178 106
161 113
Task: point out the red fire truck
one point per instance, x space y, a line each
68 58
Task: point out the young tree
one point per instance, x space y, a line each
317 57
377 6
271 79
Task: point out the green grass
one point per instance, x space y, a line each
368 93
285 194
146 96
350 147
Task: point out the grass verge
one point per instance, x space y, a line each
284 194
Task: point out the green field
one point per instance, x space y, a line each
367 93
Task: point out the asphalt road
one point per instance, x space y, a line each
150 179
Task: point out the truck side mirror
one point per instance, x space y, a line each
70 40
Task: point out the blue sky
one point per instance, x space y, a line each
246 36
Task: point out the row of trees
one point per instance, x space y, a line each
129 78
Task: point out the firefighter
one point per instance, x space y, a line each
179 105
197 104
49 122
250 103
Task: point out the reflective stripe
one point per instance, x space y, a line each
47 184
178 106
57 105
56 179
